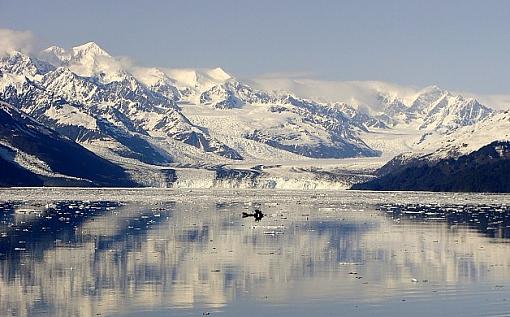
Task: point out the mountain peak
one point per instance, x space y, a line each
55 55
219 74
54 49
201 78
82 54
432 89
89 48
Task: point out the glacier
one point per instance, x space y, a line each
204 128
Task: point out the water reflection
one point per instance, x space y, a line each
493 220
83 258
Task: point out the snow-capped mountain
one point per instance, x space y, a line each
426 109
471 158
440 110
120 110
87 60
468 139
207 118
32 154
107 101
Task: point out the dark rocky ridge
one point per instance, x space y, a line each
485 170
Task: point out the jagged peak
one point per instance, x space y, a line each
58 54
432 89
54 49
20 63
474 102
471 99
428 96
64 71
89 48
55 55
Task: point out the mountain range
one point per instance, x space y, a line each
204 127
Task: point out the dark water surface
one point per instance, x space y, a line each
181 253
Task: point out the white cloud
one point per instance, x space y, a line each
12 40
364 94
126 62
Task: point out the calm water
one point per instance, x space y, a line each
180 253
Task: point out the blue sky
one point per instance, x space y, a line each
460 45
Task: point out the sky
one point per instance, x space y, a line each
460 45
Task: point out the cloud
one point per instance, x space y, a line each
126 62
12 40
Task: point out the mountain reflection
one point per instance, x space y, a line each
86 258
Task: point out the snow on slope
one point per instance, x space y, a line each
468 139
416 116
215 88
30 162
40 155
88 60
363 93
360 93
180 84
126 108
230 126
206 117
429 109
460 142
392 142
67 115
203 78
